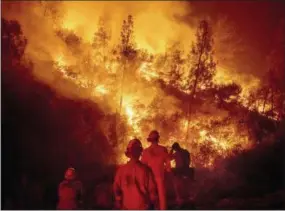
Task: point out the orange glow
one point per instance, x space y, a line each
145 105
101 90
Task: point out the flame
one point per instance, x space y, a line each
144 104
101 90
60 63
147 72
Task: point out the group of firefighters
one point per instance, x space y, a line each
140 183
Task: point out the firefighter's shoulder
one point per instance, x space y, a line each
145 167
147 149
162 148
121 168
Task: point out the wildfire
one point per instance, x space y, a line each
211 136
130 114
133 118
100 90
61 64
147 72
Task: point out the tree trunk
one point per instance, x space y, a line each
192 97
265 100
118 115
122 87
194 88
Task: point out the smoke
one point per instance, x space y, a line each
230 50
39 20
155 22
156 25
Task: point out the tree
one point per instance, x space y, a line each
227 92
272 91
73 42
202 65
127 39
101 39
175 66
276 75
127 51
50 10
13 42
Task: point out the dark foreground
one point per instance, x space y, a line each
210 190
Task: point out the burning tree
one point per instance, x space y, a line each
175 66
101 40
202 65
139 91
127 51
127 54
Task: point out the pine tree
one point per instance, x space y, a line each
127 39
101 39
175 66
127 54
202 65
127 50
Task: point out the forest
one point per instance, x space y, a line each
69 99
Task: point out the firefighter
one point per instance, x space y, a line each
134 185
157 158
181 171
180 156
70 191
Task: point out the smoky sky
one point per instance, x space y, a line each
256 23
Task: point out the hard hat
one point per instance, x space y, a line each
153 136
134 148
70 174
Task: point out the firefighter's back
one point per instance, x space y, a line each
155 157
134 184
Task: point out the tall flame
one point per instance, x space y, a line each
144 104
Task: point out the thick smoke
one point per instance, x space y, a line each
157 24
39 21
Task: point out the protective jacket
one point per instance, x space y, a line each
134 186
